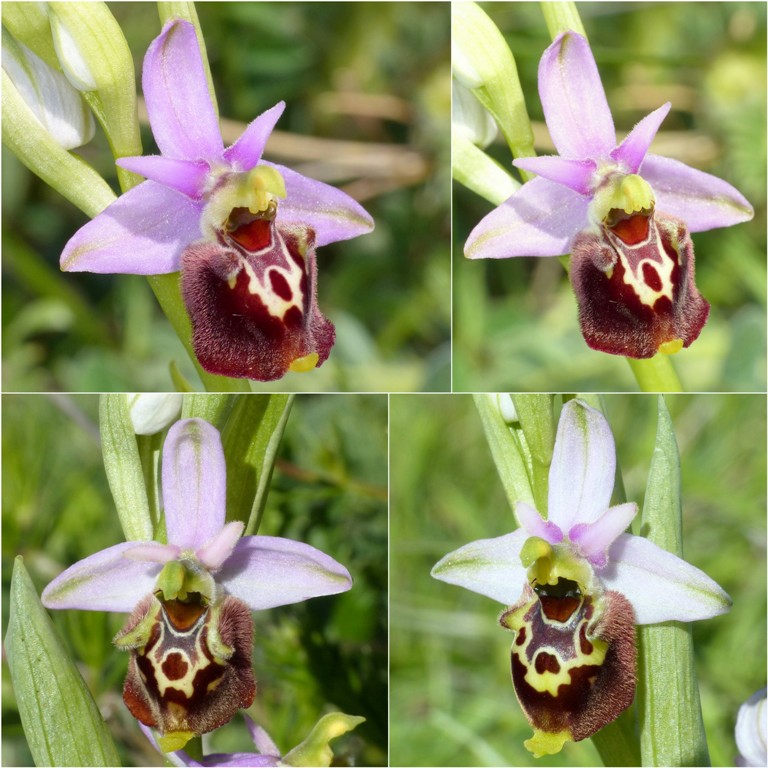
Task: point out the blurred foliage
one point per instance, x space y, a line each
329 490
515 320
372 80
449 658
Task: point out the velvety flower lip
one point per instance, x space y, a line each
262 571
146 230
659 585
545 214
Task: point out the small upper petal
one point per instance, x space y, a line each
530 519
213 553
490 567
246 152
185 176
583 465
267 571
331 213
540 219
179 105
194 483
594 539
660 585
105 581
701 200
633 149
574 174
144 232
572 95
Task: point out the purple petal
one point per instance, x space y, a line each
142 233
583 465
181 113
219 548
572 95
185 176
246 152
104 581
490 567
194 483
661 586
701 200
267 571
241 760
594 539
574 174
261 739
333 214
540 219
530 519
633 149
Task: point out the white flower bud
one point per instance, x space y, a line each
152 412
52 99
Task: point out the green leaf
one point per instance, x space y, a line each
124 469
668 706
251 439
62 723
538 425
507 444
214 409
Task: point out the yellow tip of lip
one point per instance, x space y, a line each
305 363
671 347
174 740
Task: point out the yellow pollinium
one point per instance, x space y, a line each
547 563
305 363
256 190
174 740
629 193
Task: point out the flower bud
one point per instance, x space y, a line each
152 412
52 99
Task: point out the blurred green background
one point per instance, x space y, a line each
373 74
453 700
515 321
329 490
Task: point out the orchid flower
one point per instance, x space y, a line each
577 586
190 631
623 214
242 231
313 751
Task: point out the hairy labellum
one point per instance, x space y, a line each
190 666
635 285
252 299
573 662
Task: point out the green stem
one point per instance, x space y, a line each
656 374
